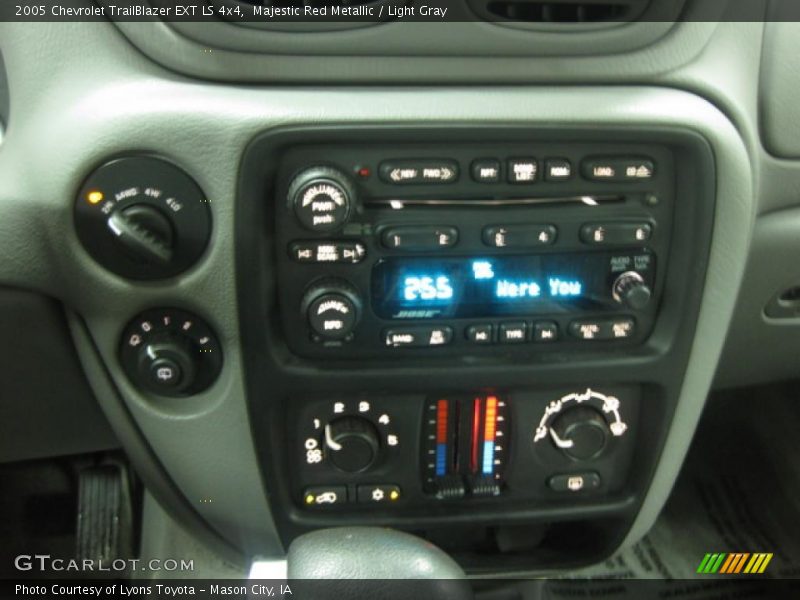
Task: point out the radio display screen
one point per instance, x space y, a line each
454 287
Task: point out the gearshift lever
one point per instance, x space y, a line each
371 562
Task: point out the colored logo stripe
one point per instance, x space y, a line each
734 563
758 563
711 563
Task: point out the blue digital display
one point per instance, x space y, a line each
504 285
427 287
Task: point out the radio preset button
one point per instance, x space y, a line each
401 172
486 170
557 169
603 329
480 334
522 170
416 238
618 169
545 331
330 252
610 234
418 336
513 333
519 236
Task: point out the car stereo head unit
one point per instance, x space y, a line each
475 248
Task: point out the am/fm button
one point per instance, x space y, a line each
418 337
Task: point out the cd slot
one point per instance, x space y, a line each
400 203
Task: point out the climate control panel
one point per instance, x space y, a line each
412 451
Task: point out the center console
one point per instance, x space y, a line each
470 326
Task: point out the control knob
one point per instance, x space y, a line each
170 352
631 290
333 308
167 366
352 444
581 433
322 198
142 218
144 231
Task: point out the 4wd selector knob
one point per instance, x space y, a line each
631 290
333 308
322 198
581 433
352 443
142 217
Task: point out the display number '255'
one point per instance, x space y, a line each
427 288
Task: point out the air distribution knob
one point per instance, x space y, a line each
322 198
581 433
631 290
333 308
352 444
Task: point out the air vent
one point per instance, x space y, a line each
329 23
561 11
302 3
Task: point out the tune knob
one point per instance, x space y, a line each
322 198
333 308
352 444
581 433
631 290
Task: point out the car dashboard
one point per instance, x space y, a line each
377 276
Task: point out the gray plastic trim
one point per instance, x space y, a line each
414 53
147 465
772 269
780 79
117 102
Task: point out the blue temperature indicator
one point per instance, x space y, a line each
426 287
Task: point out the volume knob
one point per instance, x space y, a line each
333 308
631 290
322 198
